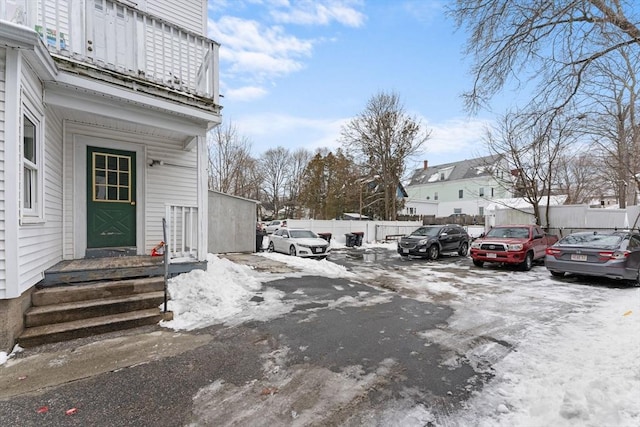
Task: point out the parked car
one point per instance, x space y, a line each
512 244
604 254
430 241
299 242
275 225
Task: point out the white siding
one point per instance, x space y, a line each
189 14
40 243
3 276
175 182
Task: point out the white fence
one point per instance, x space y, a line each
373 230
566 219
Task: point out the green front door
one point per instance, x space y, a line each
111 203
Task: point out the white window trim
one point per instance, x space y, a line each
34 215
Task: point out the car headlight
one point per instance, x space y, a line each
475 245
303 245
423 242
515 247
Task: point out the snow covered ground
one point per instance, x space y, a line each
563 353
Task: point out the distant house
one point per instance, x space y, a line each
464 187
104 111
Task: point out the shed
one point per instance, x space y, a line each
232 223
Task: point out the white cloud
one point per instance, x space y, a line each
461 137
246 93
252 48
269 130
256 52
314 12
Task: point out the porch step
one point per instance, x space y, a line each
95 290
78 310
39 335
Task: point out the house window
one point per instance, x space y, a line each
460 194
441 176
457 210
481 211
32 167
481 192
491 191
435 196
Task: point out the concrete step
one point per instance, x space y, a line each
95 290
77 310
86 327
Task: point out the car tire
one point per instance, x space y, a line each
270 248
292 250
404 255
464 249
557 273
433 252
527 264
478 263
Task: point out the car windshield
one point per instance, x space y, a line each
502 232
302 234
593 240
427 231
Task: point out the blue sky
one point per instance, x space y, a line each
293 72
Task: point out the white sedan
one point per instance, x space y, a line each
298 242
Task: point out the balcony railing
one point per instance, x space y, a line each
111 35
182 231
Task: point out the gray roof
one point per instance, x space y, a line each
465 169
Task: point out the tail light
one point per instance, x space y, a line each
610 255
553 251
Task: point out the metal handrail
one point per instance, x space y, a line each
166 262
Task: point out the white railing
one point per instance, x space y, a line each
182 231
111 35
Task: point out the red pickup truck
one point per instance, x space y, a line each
512 244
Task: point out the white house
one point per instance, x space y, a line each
464 187
104 109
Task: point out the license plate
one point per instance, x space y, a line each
492 255
405 251
576 257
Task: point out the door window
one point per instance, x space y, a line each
111 178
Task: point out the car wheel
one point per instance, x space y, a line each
464 249
528 262
271 248
292 250
404 255
478 263
556 273
434 252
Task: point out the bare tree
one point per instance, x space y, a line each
555 43
275 166
300 158
532 145
577 177
230 162
382 138
614 126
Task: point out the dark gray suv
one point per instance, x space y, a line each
430 241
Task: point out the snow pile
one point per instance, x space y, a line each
582 372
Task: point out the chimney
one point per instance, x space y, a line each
426 164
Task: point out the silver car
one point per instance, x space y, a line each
299 242
614 255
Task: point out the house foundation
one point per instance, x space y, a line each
12 319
